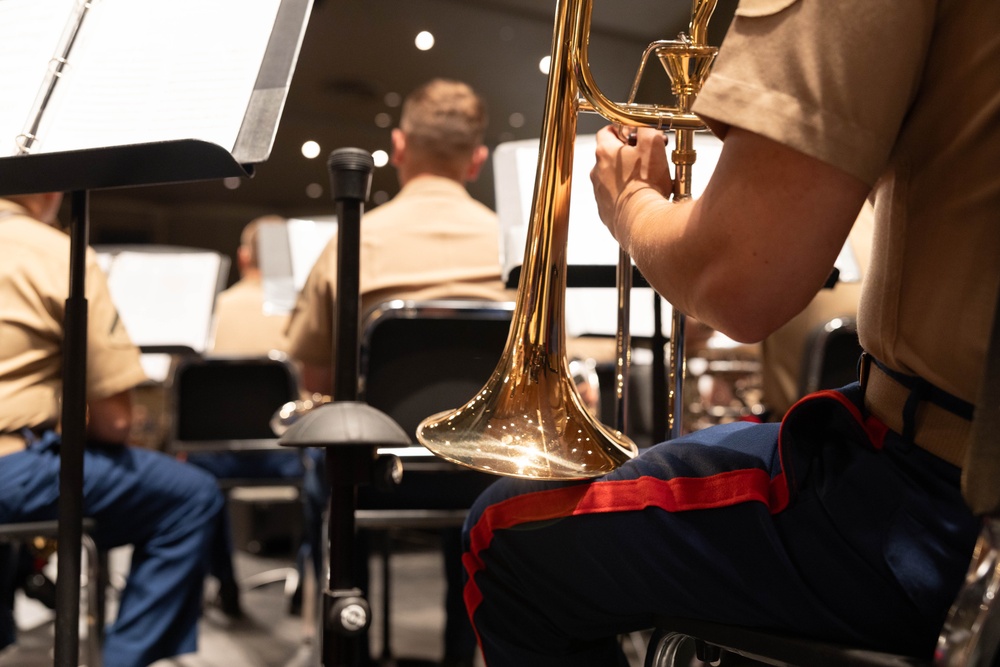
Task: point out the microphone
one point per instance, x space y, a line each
350 173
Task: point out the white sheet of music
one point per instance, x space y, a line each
28 38
307 239
165 298
136 70
287 252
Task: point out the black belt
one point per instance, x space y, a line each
916 409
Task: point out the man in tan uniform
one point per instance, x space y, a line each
852 526
164 509
432 240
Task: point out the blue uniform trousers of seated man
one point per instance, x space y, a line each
250 465
165 509
828 526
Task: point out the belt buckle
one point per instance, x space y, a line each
864 370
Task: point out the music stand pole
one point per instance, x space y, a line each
74 424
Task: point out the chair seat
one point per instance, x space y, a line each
97 575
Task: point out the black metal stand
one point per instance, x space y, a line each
146 163
74 424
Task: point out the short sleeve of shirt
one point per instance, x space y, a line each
830 79
113 364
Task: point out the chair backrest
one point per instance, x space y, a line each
831 356
226 402
422 357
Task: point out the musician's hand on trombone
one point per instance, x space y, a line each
625 173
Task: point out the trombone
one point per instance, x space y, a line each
529 420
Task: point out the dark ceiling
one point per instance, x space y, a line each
356 56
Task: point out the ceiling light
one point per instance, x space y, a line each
381 158
424 40
314 191
310 149
543 64
383 119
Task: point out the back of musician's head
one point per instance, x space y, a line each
444 121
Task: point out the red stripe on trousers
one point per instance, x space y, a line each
673 495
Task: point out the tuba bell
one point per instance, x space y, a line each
529 420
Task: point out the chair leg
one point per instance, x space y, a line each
386 548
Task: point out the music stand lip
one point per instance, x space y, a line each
153 163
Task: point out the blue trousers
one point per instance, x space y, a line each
166 510
263 464
827 526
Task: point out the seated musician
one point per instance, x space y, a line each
432 240
165 509
855 531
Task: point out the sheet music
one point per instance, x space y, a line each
307 238
28 38
137 73
287 254
165 298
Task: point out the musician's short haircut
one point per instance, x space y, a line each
444 119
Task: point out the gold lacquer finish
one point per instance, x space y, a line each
529 420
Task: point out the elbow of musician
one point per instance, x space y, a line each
738 311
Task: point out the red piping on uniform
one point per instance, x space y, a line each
673 495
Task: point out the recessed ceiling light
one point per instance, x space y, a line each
381 158
424 40
310 149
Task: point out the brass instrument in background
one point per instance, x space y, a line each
529 420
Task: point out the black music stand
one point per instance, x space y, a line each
132 164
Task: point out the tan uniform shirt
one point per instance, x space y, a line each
34 285
906 97
242 326
432 240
